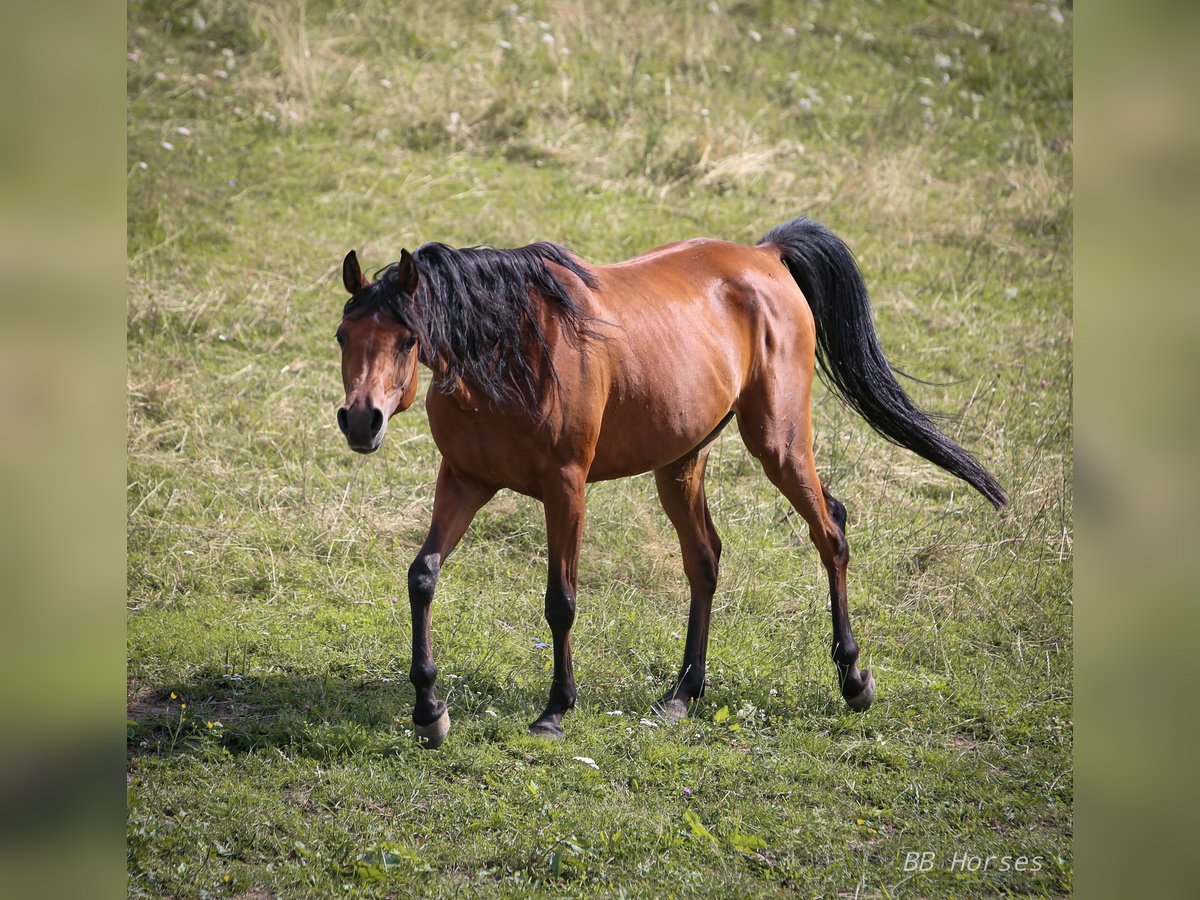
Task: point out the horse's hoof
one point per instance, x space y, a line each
431 736
547 730
862 701
673 710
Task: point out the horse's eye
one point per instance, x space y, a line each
408 343
341 338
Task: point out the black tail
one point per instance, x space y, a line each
850 358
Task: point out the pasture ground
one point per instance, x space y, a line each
269 745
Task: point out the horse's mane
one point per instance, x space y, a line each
476 312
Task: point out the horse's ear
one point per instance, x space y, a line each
352 276
407 275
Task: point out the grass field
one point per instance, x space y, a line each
268 633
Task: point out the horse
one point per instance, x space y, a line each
550 373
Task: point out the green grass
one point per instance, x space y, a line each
267 562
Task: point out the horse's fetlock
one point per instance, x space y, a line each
422 674
845 654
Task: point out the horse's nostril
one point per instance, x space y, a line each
376 421
343 423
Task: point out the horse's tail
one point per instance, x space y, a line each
850 358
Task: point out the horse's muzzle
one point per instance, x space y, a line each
363 425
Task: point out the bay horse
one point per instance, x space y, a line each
549 373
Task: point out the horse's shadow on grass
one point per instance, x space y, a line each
327 716
315 715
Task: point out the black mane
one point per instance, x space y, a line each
475 312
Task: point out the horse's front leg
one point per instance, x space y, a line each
565 502
455 502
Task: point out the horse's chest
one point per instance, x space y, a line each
486 448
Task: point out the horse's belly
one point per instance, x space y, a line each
640 437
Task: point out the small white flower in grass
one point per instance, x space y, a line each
925 101
942 61
789 30
386 82
143 166
504 45
1010 293
649 723
615 712
189 552
1056 15
587 761
184 130
221 337
170 60
134 56
167 145
805 103
160 76
755 36
548 39
220 73
491 712
269 116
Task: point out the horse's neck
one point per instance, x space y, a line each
461 394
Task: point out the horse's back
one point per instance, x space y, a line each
690 324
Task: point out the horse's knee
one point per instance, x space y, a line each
422 579
560 609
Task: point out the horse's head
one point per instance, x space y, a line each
379 352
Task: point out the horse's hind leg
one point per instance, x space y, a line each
681 490
778 432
